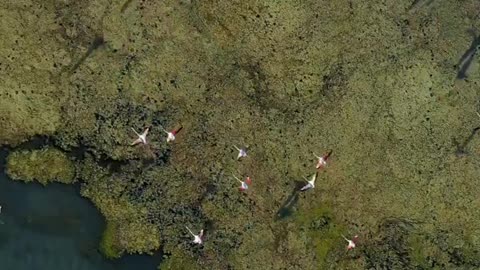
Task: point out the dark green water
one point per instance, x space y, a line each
53 227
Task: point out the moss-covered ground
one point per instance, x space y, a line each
372 80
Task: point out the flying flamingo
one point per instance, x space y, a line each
171 134
351 243
244 184
242 152
310 183
197 238
142 138
322 160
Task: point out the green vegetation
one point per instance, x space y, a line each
109 245
326 234
371 80
45 165
128 227
179 261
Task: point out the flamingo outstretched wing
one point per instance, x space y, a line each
135 132
137 141
145 132
190 231
307 186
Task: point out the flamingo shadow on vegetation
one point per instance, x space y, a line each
287 208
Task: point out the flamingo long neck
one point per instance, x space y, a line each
175 131
325 157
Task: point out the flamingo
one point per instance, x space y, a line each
171 134
322 160
244 184
242 152
311 183
142 138
197 238
351 243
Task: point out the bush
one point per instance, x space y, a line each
108 244
45 165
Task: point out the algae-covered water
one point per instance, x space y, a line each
390 86
54 228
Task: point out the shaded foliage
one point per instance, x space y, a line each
390 248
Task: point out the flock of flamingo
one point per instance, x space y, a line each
244 185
